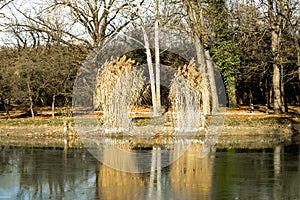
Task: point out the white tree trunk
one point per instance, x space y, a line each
157 59
151 72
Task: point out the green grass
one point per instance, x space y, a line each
150 121
29 121
238 121
258 121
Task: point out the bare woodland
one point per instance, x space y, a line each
254 44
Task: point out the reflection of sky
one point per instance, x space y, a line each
227 175
9 179
9 186
12 188
46 174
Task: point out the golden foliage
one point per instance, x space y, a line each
118 88
108 78
193 76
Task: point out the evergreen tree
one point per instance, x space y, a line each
223 49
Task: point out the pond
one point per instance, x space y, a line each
37 173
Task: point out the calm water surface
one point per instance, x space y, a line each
226 174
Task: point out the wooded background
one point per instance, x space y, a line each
255 44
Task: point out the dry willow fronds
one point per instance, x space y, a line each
186 98
193 76
108 77
118 88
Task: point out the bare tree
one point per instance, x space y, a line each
144 21
197 25
61 64
2 5
7 78
274 7
157 57
74 21
3 16
279 16
30 77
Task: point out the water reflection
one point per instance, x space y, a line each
277 171
231 174
44 174
191 176
115 184
262 174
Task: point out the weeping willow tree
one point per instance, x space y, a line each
117 90
187 93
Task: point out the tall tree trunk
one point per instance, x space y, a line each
197 26
151 73
276 86
157 59
250 96
275 23
202 68
298 53
212 82
267 92
232 96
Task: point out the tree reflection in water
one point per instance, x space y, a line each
48 173
189 177
272 173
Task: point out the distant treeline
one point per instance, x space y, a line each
38 77
44 77
255 45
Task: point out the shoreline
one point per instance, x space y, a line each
255 130
231 137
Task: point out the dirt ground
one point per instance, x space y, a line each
143 111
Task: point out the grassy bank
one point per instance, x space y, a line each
268 120
258 127
30 121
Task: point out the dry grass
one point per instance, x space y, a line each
193 76
107 79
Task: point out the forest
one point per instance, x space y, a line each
255 45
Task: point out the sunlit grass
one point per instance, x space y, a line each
29 121
230 121
256 122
